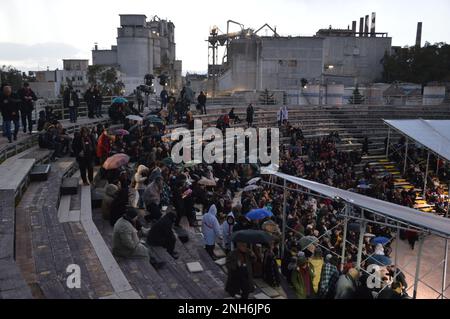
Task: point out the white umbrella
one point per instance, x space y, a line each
250 188
254 181
135 118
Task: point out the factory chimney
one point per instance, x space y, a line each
361 26
372 28
354 26
366 26
419 35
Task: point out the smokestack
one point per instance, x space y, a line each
419 35
354 26
372 28
366 26
361 26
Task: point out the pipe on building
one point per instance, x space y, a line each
372 27
419 35
361 27
366 26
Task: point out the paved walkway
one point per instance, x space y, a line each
431 268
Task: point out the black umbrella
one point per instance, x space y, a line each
251 236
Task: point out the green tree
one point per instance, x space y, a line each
12 76
357 97
418 65
106 78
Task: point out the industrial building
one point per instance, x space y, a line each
254 63
143 47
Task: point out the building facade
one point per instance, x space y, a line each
49 84
143 47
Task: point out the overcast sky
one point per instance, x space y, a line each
35 34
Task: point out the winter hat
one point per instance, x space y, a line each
131 213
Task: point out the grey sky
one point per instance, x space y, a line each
39 33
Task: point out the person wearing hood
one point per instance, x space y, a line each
161 234
211 229
111 192
227 231
139 179
152 198
347 284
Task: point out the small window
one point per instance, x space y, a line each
292 63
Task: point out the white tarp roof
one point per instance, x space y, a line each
433 134
435 224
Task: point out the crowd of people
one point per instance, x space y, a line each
147 196
16 106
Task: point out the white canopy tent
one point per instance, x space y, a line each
433 134
428 222
425 222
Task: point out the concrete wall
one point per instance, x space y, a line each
285 61
47 90
133 56
104 57
272 63
132 20
334 94
355 57
433 95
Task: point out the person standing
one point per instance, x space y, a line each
328 278
282 115
140 99
240 272
250 114
211 230
347 284
9 106
201 99
103 146
89 98
164 98
140 178
302 278
84 151
98 101
71 101
27 98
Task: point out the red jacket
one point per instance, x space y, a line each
103 146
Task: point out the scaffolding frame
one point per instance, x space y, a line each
348 214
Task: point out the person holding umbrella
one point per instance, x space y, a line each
211 230
240 272
84 151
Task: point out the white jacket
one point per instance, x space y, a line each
283 114
210 226
139 179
